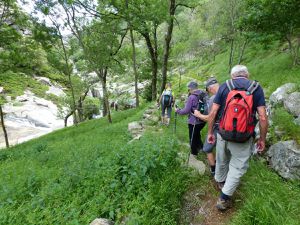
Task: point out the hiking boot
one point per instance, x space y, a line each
223 205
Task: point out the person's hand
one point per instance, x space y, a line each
261 145
197 114
211 138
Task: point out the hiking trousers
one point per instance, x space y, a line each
195 137
232 162
163 110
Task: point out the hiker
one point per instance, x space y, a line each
237 101
166 101
195 125
212 87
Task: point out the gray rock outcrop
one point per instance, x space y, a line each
284 157
29 117
297 121
292 104
282 93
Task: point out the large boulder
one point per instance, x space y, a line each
282 93
292 104
284 157
29 117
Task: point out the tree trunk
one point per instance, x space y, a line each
68 70
137 102
154 63
231 54
293 50
3 127
297 48
168 39
67 117
242 51
73 100
106 105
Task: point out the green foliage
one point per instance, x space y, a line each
285 122
16 83
77 174
267 198
90 107
147 94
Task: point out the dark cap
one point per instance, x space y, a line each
192 85
210 82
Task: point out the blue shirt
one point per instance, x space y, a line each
240 84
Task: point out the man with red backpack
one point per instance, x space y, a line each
235 107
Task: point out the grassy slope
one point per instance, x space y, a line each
263 197
77 174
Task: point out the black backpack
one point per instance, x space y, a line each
167 98
202 105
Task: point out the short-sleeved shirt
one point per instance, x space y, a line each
210 102
240 84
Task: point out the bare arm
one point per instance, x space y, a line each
201 116
212 117
263 126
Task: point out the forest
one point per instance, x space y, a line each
90 49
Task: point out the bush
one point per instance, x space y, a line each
90 107
147 94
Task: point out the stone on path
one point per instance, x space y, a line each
198 165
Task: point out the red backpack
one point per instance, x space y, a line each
238 121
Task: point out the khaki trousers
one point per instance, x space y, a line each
232 162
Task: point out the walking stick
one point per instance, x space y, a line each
175 121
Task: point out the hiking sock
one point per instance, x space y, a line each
224 196
212 170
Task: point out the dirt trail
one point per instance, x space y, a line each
199 208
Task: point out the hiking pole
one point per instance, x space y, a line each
175 121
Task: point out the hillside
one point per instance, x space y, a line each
79 84
80 173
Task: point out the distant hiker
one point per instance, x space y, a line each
195 125
166 101
212 87
114 105
237 101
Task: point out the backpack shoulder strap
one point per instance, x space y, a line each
253 87
230 85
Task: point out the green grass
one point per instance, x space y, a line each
267 199
270 67
77 174
285 122
263 197
16 83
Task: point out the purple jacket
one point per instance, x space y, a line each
191 103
